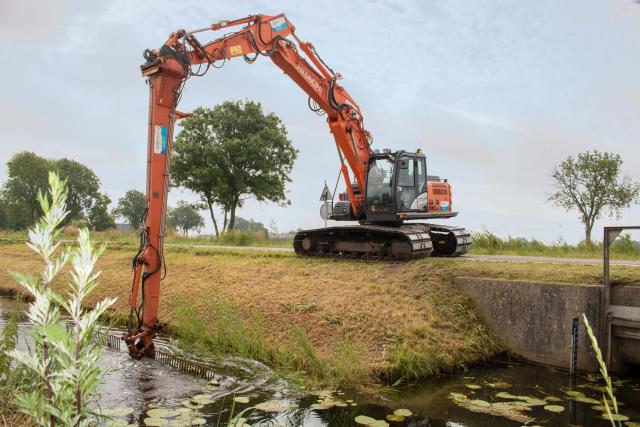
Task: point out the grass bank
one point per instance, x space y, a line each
487 243
333 321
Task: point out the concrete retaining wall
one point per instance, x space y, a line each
534 319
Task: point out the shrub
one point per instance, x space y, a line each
64 357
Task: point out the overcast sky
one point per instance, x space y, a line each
495 92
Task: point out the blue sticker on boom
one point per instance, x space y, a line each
278 24
160 140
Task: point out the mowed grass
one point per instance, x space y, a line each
334 321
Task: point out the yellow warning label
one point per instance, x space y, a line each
236 50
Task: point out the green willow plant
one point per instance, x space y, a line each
611 412
64 356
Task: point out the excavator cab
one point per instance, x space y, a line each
397 189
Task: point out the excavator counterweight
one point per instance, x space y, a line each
384 190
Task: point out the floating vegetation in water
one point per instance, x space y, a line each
575 394
157 413
600 388
395 418
192 404
499 384
553 399
587 400
554 408
275 406
403 412
370 422
514 411
473 386
614 417
505 395
241 399
155 422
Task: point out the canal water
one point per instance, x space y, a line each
501 394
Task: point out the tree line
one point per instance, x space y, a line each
225 155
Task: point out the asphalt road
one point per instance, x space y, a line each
484 258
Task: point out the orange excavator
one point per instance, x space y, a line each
384 189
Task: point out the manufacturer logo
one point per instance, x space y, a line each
309 77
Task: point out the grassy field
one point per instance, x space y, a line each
336 321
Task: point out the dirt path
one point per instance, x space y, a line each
486 258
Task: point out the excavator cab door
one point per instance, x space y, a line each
410 182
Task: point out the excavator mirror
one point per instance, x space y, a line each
404 164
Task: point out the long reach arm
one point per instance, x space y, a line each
167 69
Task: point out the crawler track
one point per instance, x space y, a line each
404 242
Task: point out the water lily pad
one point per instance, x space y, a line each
241 399
155 422
575 394
473 386
505 395
499 384
458 395
554 408
587 400
395 418
202 397
403 412
552 399
532 401
180 422
192 404
274 406
632 424
615 417
198 421
214 382
340 404
364 420
157 413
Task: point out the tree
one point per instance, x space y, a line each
99 216
85 201
131 207
250 225
185 217
231 153
591 184
27 174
